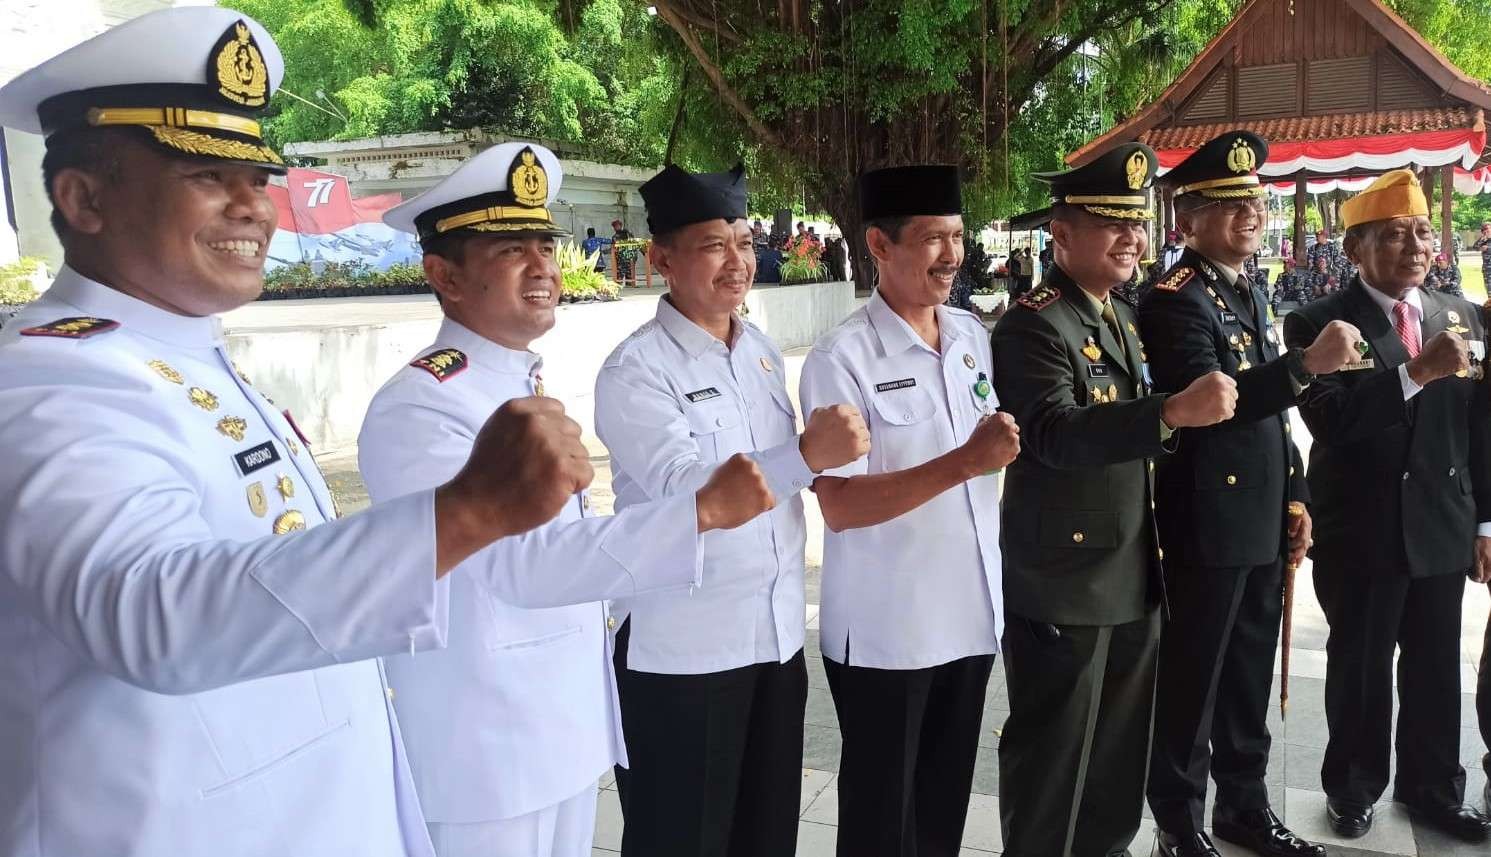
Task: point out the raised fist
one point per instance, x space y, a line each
835 436
995 442
1208 400
1334 347
1442 356
735 493
527 462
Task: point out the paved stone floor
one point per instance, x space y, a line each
1294 771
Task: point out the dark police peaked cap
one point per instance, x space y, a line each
676 197
1225 168
1115 185
920 189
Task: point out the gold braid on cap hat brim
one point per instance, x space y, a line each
194 143
1120 213
1239 193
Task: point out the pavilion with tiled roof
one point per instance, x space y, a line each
1343 90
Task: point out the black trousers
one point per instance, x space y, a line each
906 768
1368 618
1483 693
716 759
1076 744
1212 692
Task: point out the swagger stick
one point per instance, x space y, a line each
1296 511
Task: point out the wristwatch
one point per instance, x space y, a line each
1294 361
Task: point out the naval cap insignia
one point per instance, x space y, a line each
237 68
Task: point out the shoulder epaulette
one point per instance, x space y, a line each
80 327
443 364
1039 297
1177 280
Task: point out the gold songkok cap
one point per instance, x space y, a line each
1394 194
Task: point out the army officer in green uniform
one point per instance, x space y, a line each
1082 583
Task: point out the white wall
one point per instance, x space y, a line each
326 375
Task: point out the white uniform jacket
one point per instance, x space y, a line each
174 677
671 403
520 712
922 589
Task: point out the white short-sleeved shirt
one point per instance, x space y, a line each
175 678
924 588
527 673
671 403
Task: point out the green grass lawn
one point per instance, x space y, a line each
1470 275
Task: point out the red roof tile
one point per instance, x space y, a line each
1335 127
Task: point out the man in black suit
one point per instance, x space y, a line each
1221 503
1400 476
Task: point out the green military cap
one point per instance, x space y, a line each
1226 167
1116 185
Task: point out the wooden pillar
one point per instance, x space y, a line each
1447 212
1301 199
1426 181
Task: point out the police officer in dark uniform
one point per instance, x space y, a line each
1082 584
1223 505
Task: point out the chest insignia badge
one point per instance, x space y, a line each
968 361
257 502
283 485
202 399
289 522
1091 351
163 369
233 427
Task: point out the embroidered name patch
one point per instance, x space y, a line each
1097 370
703 395
256 458
1229 318
887 386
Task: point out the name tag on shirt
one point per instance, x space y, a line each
887 386
1097 370
1367 363
703 395
1229 318
257 458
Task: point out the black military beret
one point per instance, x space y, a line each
676 197
929 189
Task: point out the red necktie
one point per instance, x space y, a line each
1408 330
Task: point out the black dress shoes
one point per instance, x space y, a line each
1195 845
1260 831
1462 822
1348 820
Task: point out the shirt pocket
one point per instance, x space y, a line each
712 424
905 407
902 431
256 724
1071 528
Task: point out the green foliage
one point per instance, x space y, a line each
334 277
579 280
16 280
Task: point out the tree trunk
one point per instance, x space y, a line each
843 206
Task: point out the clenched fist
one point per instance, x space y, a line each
1334 347
1208 400
527 462
735 493
1442 356
995 442
835 436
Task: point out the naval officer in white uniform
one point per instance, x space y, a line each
528 667
713 683
186 638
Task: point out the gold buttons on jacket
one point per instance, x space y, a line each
610 623
1231 480
1291 470
1079 537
